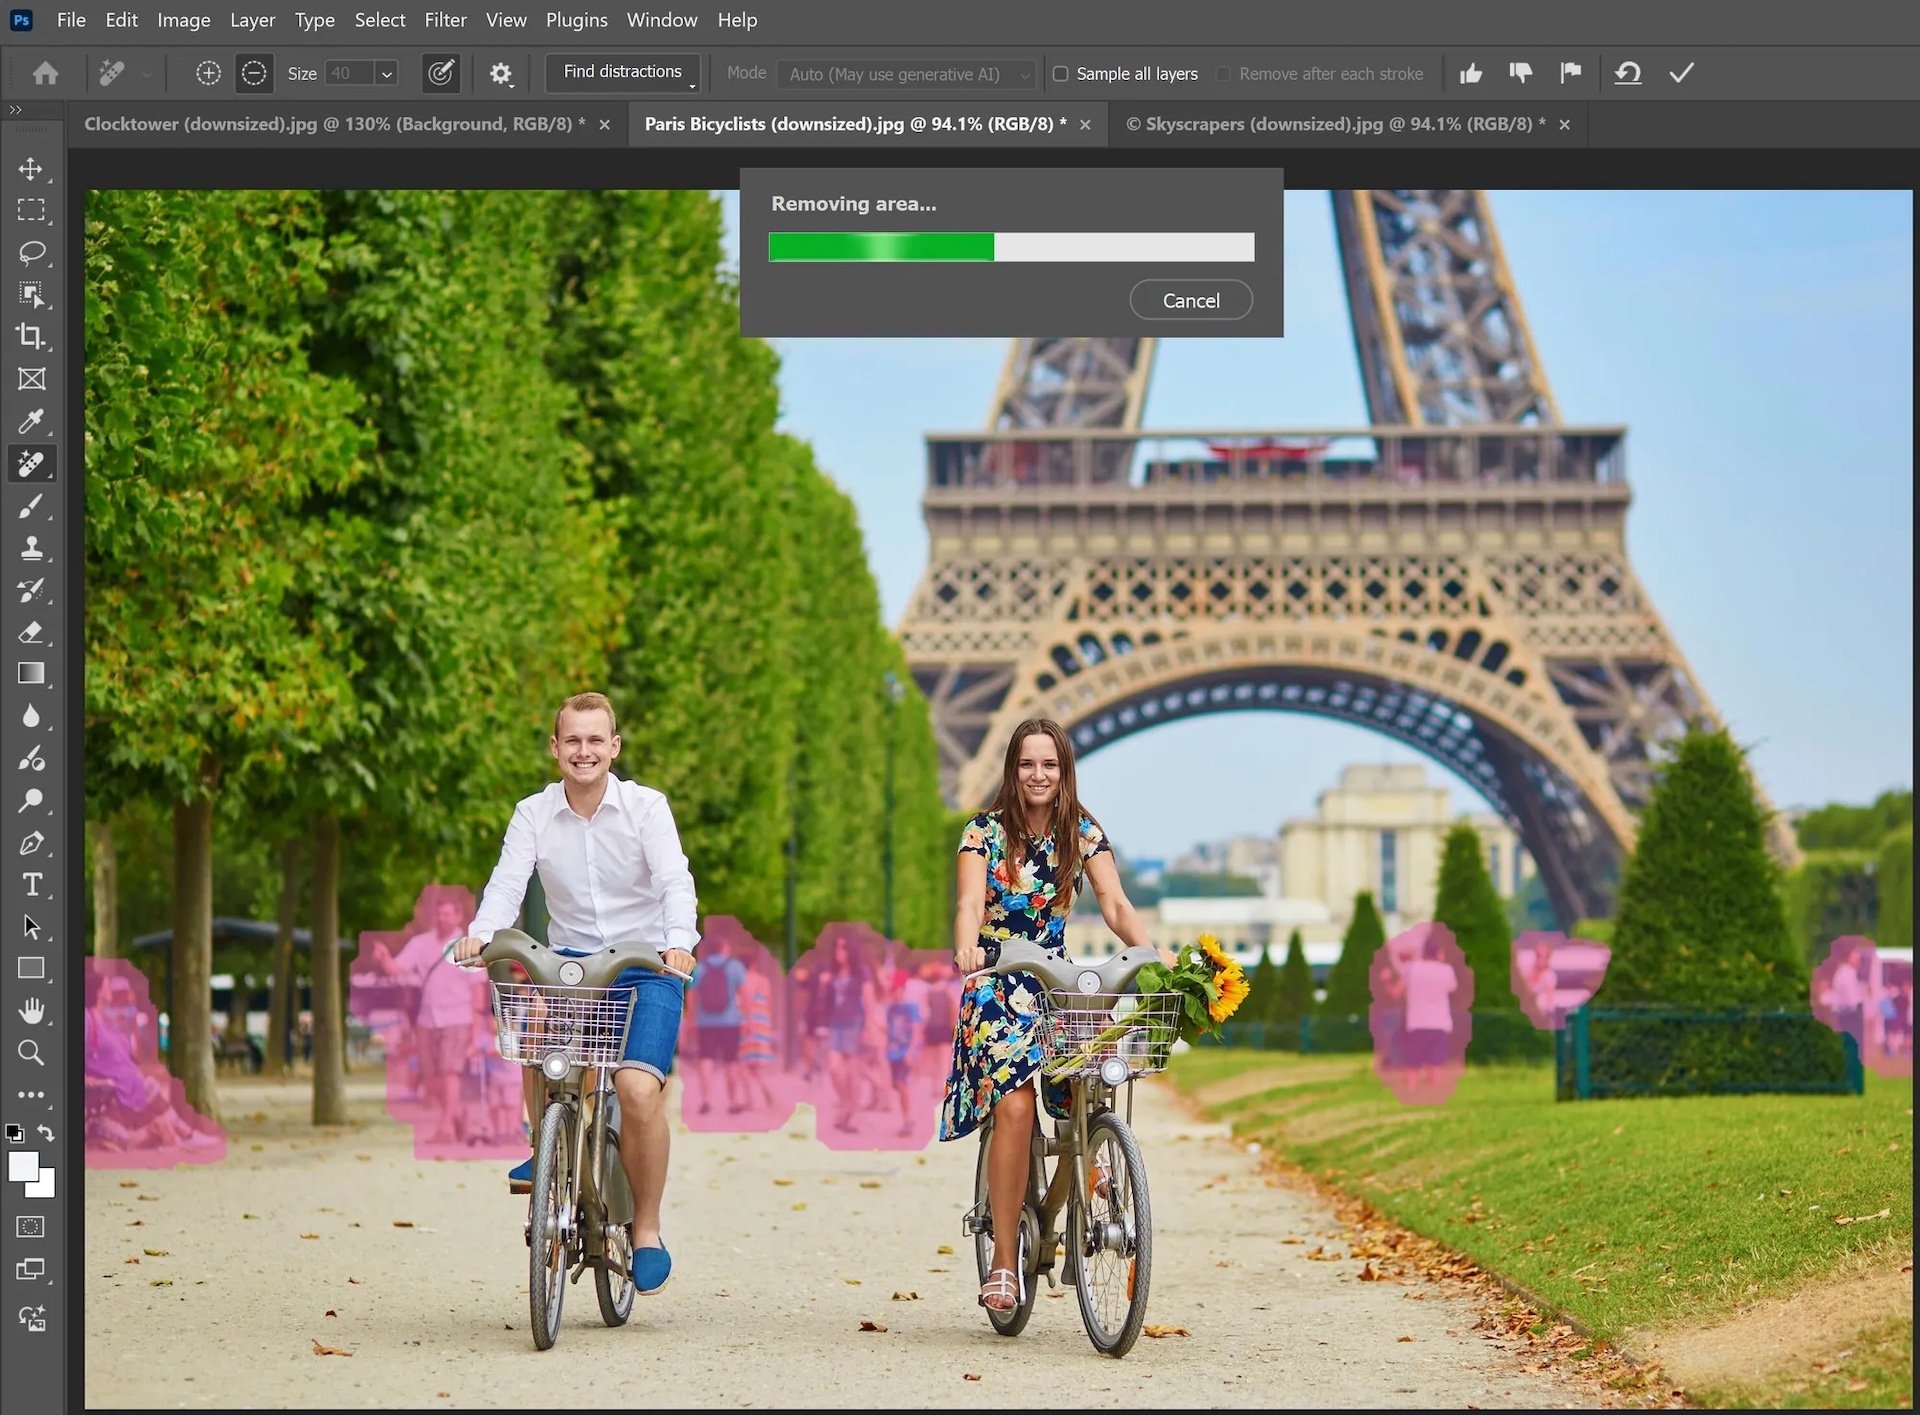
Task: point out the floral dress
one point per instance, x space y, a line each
995 1046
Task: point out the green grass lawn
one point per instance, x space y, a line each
1626 1214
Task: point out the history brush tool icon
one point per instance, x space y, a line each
30 589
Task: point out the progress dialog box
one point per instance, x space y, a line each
1024 252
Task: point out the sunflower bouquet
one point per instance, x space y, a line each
1192 996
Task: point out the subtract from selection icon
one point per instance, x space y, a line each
253 73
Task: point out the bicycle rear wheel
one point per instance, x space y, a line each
551 1204
1111 1237
1014 1320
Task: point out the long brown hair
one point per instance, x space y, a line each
1063 820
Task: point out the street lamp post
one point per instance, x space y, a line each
896 691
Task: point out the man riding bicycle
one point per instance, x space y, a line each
610 862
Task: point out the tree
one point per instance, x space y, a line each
1843 827
1348 993
206 430
1263 990
1828 895
677 414
1470 907
1294 997
1700 921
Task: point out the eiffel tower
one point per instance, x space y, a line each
1454 575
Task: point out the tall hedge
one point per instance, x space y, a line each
1895 888
1700 922
1348 992
1828 895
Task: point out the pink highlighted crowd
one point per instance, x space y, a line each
861 1030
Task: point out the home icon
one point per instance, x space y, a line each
45 74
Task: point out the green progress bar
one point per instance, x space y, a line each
879 245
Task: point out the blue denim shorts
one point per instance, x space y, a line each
655 1032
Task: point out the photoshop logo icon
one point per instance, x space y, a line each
19 21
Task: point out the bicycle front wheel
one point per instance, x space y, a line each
1111 1237
1013 1321
549 1218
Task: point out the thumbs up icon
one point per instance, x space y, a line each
1470 74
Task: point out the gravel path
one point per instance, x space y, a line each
781 1249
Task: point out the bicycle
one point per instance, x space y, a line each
1098 1036
566 1019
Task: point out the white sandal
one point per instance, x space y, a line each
1003 1283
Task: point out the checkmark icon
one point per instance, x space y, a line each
1681 75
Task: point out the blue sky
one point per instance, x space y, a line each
1758 347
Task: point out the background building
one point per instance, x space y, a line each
1382 828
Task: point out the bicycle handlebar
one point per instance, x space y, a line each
1116 974
544 964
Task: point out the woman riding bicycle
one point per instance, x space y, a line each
1020 863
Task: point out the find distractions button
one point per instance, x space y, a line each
1192 299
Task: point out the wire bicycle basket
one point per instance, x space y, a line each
587 1025
1079 1031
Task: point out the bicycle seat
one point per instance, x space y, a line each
549 968
1116 975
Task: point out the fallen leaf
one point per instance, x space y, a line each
129 1184
138 1223
945 1250
906 1297
783 1183
160 1282
970 1376
869 1184
148 1198
871 1326
332 1313
134 1261
1414 1296
354 1280
443 1394
851 1281
309 1235
1056 1294
1863 1218
1844 1150
249 1215
939 1270
1293 1240
799 1206
1367 1274
1165 1331
403 1223
155 1252
1406 1338
319 1350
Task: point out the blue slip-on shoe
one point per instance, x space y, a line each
651 1268
520 1177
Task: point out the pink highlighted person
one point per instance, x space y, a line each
136 1115
1433 1008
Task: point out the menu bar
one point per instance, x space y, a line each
885 22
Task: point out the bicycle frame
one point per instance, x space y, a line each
1067 1145
588 1112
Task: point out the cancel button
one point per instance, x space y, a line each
1192 299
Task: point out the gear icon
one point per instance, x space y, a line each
502 73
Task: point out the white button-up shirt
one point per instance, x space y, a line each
618 876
